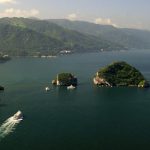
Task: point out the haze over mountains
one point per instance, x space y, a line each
22 36
129 38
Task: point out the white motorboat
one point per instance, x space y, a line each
71 87
18 115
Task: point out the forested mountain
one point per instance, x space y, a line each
22 36
26 36
129 38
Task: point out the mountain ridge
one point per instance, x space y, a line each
27 36
129 38
60 37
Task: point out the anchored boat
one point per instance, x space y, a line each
71 87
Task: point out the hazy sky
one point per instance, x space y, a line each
121 13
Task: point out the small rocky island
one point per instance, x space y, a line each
65 79
4 58
1 88
120 74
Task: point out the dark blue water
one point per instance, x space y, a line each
88 118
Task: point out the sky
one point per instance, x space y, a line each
119 13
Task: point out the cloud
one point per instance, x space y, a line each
7 1
72 16
105 21
11 12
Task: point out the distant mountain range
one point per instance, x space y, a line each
129 38
22 36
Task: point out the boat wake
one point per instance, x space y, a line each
10 124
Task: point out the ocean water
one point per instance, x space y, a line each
88 118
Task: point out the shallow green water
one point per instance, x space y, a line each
88 118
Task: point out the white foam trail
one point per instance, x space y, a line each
8 126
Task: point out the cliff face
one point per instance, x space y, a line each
100 81
120 74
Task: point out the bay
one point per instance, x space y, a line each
88 118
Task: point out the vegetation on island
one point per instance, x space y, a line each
65 79
120 74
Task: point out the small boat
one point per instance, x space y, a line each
71 87
18 115
47 89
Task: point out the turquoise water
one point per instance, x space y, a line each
88 118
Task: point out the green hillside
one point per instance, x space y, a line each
22 36
129 38
23 41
